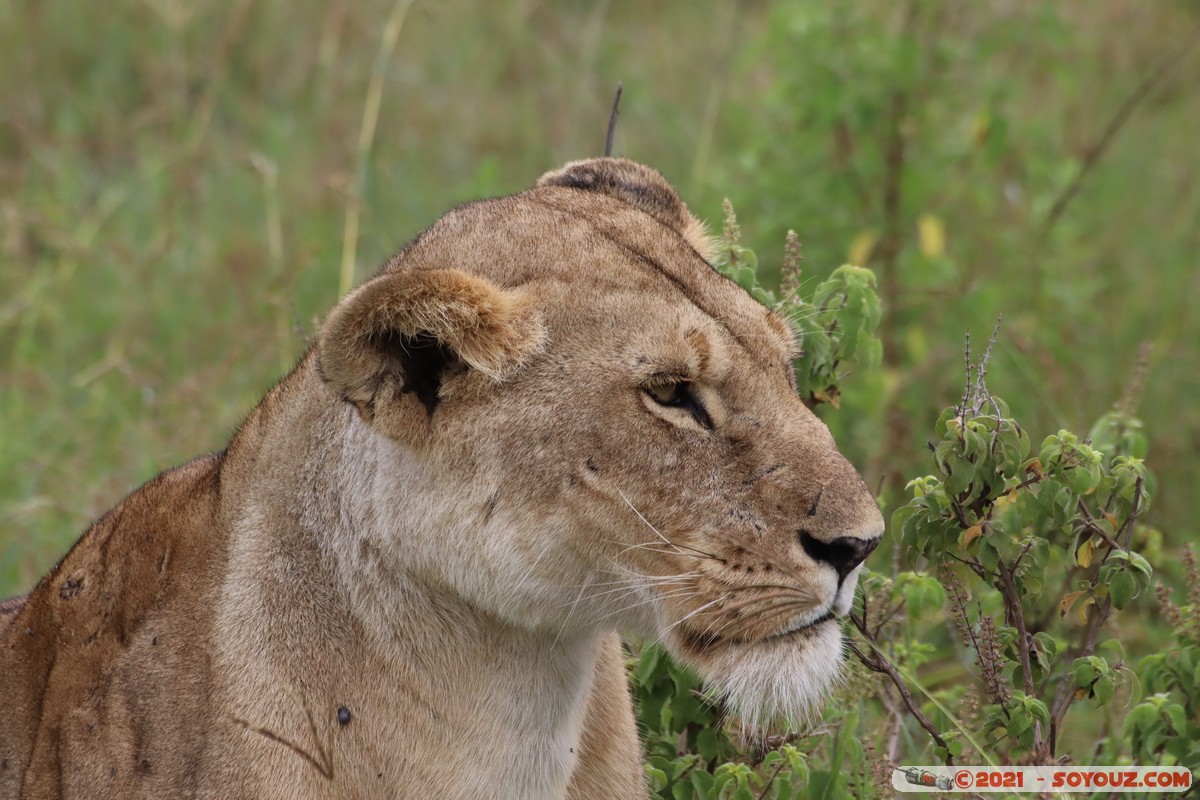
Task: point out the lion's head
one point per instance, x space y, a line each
611 431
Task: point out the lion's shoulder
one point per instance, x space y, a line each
118 624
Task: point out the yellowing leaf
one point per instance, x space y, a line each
1003 502
862 247
1083 556
830 395
1082 611
1068 600
980 125
970 534
932 236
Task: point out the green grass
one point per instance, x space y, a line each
150 153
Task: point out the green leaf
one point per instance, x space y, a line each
1019 722
1141 565
702 782
683 764
708 744
1047 649
922 594
961 473
648 663
656 777
1121 589
1084 672
1177 716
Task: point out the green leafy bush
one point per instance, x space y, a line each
693 751
1023 554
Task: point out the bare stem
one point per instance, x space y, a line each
880 663
1066 694
612 122
1016 614
1122 115
366 138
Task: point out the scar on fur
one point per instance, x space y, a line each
322 762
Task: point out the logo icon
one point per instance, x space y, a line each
923 777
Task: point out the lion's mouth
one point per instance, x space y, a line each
706 642
808 626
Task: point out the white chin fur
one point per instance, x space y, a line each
845 595
785 679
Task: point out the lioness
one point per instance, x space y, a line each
546 419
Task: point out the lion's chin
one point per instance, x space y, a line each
777 679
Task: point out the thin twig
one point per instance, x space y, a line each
1012 600
967 383
880 663
322 763
1094 528
1066 689
366 137
1134 508
1066 694
770 780
612 121
722 67
982 395
1118 121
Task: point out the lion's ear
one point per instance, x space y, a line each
388 346
639 186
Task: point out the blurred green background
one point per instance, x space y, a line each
182 181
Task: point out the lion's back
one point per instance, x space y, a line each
10 608
104 673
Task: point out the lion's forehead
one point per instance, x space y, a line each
589 256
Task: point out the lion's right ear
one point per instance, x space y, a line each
388 345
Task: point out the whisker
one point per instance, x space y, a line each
691 614
764 598
524 579
760 615
677 547
644 579
624 588
775 611
643 519
681 550
578 597
674 594
775 561
757 586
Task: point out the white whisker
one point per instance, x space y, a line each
643 519
693 613
578 597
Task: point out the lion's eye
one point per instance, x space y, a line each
668 394
680 395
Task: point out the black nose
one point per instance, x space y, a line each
843 553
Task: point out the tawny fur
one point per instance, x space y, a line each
405 575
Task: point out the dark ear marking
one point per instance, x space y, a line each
398 339
638 186
421 359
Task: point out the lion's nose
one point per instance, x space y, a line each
843 553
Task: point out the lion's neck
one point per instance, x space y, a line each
354 620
